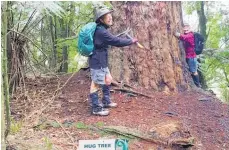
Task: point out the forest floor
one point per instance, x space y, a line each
45 118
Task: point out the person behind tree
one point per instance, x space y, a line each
189 45
98 61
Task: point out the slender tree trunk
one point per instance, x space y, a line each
5 70
160 66
202 20
42 40
64 34
53 43
9 40
202 25
65 52
3 143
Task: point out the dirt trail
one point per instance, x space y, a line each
202 115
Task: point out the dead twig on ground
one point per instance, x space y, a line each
127 88
69 136
132 91
55 94
121 84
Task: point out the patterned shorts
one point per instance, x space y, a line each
98 75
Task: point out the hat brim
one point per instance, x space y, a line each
103 15
186 28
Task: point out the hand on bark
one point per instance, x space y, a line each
177 34
134 40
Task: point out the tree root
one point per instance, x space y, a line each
123 87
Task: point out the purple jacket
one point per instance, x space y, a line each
189 44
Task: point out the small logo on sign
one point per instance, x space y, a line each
121 144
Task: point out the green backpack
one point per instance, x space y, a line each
85 39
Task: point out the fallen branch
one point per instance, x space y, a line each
121 84
127 85
132 91
182 141
115 83
129 132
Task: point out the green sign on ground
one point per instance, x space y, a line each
106 144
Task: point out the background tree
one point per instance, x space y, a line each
5 87
21 37
214 60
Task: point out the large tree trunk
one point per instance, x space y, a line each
161 65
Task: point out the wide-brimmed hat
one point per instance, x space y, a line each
186 26
101 12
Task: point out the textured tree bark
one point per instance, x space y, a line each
65 52
4 74
161 66
5 85
53 64
64 34
202 25
202 19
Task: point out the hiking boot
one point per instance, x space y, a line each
199 85
97 108
110 105
196 80
100 111
106 98
100 105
